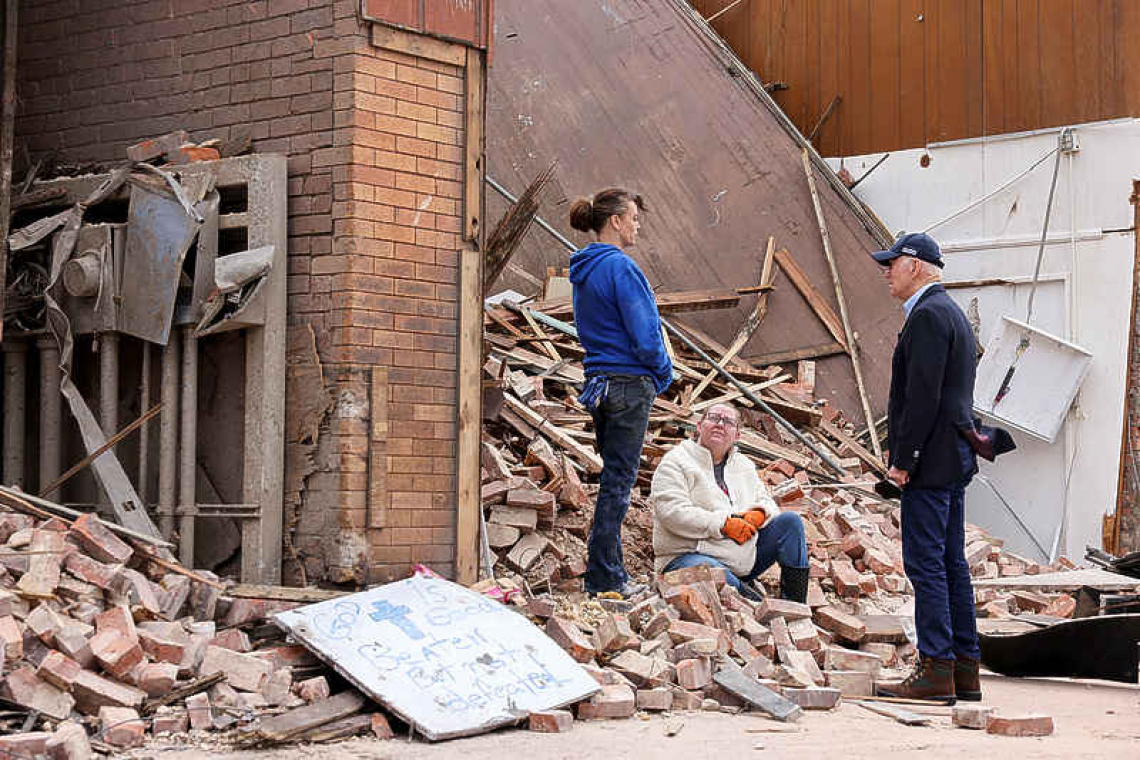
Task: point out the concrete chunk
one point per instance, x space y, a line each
814 698
243 671
972 716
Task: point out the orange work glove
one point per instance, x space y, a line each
738 529
756 518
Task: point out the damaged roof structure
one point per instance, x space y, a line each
267 312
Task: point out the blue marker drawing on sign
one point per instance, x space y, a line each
397 616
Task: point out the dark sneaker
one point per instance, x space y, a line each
967 681
932 680
628 591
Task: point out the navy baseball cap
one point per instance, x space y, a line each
916 244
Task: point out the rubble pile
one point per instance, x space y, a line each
539 474
106 643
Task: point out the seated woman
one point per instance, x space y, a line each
711 508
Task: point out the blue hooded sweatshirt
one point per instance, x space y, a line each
616 316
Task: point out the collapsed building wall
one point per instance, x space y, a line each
377 143
644 94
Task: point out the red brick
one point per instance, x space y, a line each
551 721
69 742
611 702
694 673
121 727
117 654
90 532
59 670
1020 725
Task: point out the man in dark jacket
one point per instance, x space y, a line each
929 411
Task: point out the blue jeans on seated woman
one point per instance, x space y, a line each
780 540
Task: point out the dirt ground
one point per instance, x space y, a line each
1092 719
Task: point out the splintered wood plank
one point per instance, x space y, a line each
813 297
906 717
283 593
733 395
588 458
282 728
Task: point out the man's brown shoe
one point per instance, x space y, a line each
932 680
967 682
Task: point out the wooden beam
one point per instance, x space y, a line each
667 303
418 45
469 415
798 354
744 333
837 281
475 168
815 300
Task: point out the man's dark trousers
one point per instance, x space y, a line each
620 422
934 554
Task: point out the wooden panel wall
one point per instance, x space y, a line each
466 21
910 72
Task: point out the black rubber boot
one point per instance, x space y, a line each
794 583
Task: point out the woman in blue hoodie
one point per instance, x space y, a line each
626 367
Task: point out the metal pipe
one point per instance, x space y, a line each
144 434
168 436
51 411
187 474
108 394
15 410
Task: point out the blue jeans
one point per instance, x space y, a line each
780 540
934 555
620 421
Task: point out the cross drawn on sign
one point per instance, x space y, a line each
397 616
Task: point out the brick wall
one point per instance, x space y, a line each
375 146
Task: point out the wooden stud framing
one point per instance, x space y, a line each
468 502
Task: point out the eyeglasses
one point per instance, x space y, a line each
718 419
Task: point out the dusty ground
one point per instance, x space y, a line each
1092 720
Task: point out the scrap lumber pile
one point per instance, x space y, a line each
540 467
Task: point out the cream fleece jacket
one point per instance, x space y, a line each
689 508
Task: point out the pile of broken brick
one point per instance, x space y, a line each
105 643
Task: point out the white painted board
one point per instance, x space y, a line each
1028 378
445 659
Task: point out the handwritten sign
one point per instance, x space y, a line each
445 659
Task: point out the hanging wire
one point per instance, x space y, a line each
1045 228
992 193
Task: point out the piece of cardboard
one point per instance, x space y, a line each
445 659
